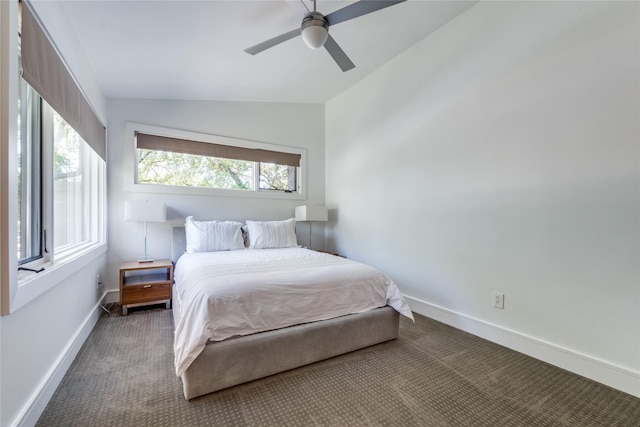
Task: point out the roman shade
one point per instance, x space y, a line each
45 71
185 146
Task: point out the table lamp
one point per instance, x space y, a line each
145 212
310 214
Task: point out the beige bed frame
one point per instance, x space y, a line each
241 359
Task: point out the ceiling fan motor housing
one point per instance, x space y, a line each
315 30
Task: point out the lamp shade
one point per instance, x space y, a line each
145 211
312 213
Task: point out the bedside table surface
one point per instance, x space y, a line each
136 265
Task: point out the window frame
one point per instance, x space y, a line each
92 171
131 167
61 262
31 161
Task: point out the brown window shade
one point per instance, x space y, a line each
176 145
45 71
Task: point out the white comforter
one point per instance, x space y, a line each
225 294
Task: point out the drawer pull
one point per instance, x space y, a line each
146 286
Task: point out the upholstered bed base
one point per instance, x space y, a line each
242 359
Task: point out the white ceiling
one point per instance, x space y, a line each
194 50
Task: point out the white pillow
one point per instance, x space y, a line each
210 236
272 234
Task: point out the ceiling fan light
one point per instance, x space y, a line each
315 30
315 36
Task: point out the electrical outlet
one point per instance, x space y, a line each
98 281
498 299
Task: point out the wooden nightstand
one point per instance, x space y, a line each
143 283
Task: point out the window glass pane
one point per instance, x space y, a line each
168 168
70 203
29 156
277 177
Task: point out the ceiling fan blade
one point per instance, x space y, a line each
338 54
357 9
272 42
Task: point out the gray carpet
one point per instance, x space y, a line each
433 375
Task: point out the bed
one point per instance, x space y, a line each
228 333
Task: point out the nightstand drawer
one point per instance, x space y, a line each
135 294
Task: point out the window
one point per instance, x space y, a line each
189 170
200 161
29 156
277 177
61 185
71 191
60 178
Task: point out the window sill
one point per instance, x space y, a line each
31 285
203 191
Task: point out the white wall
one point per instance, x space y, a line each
293 125
502 153
39 341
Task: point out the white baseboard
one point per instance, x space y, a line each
607 373
111 296
40 398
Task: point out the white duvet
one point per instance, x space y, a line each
231 293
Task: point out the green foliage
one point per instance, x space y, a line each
274 177
66 150
161 167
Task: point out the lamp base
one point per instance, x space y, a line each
145 260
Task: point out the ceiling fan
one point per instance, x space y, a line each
315 29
